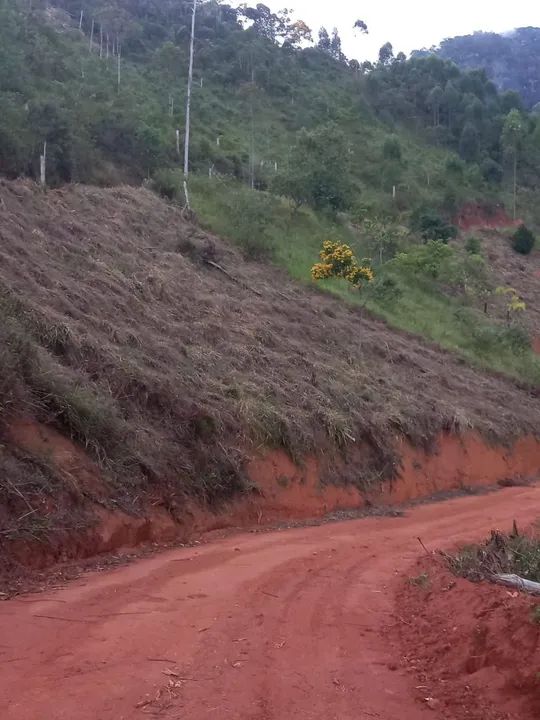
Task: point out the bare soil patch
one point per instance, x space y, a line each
474 648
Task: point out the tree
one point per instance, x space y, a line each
265 22
188 100
386 54
324 43
469 143
319 170
335 46
451 100
512 137
392 149
297 33
434 100
381 239
361 26
523 241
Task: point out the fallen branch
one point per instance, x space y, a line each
63 619
217 266
514 581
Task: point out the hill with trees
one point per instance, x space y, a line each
511 60
104 85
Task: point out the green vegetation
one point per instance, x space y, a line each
434 289
512 60
523 240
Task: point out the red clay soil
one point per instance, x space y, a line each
271 626
467 642
286 491
475 217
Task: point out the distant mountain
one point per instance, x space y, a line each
511 60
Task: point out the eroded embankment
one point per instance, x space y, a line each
281 490
474 648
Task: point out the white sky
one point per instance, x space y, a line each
408 24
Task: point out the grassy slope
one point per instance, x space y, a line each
422 308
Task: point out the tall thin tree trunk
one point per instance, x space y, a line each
119 69
188 100
81 19
515 185
92 35
252 142
101 41
252 150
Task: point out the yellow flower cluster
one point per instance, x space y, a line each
321 271
338 260
359 273
515 303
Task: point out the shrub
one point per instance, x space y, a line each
523 240
167 184
432 226
252 215
473 245
392 149
385 290
517 338
428 259
338 261
491 171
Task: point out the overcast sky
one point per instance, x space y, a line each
409 24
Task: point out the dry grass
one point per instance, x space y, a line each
516 554
116 329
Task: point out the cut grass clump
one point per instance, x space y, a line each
513 554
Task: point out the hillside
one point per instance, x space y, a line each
172 362
151 362
403 122
511 60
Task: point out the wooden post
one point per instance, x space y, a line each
43 165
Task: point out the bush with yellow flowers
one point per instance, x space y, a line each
514 304
338 261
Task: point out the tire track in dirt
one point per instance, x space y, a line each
281 626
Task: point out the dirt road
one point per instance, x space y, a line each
270 626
